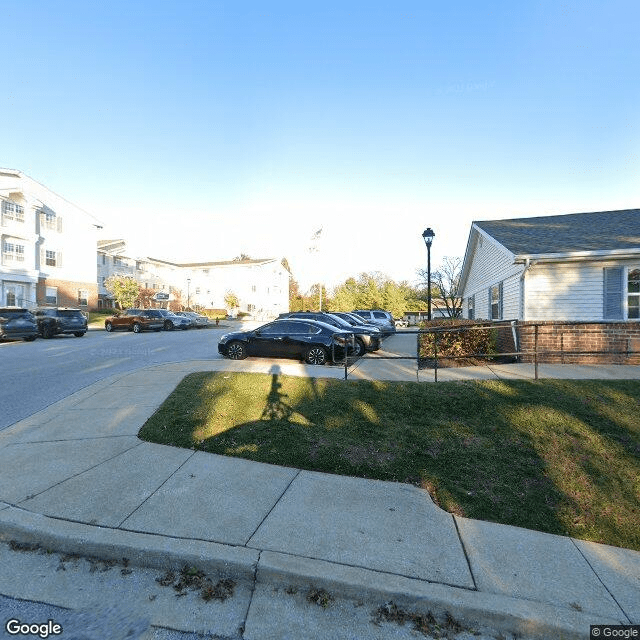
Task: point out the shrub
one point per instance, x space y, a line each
461 341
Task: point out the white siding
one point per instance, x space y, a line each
511 298
491 264
566 291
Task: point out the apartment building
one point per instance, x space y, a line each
260 285
48 246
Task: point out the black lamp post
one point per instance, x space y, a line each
428 236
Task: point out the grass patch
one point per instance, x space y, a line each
561 456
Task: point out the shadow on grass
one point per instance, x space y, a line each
557 456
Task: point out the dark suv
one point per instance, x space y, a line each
55 320
17 323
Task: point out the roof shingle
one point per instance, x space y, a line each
574 232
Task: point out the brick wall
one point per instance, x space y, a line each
606 338
68 293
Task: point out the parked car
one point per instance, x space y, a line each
53 321
136 320
379 317
173 321
355 320
197 320
16 322
366 339
309 340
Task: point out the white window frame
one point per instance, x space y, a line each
12 211
12 251
498 290
51 299
50 258
83 298
629 294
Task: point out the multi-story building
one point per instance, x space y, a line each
48 246
261 286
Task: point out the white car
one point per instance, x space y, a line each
198 321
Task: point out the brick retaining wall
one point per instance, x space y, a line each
562 337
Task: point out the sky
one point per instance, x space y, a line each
201 130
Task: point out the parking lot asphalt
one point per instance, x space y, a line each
75 479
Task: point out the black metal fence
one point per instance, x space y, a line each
433 347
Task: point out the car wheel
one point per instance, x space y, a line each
168 325
30 338
136 327
236 351
315 355
358 348
47 332
108 326
78 334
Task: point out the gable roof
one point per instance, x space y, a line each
599 231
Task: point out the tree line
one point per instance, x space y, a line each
377 291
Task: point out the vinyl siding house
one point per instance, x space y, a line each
48 246
577 267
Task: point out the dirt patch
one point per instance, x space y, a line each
359 454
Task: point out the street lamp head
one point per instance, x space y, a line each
428 236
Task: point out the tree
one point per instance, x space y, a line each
231 301
241 258
375 291
124 290
444 286
145 298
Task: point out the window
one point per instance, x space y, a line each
12 211
253 288
50 258
83 297
51 295
104 258
12 252
495 302
633 294
471 304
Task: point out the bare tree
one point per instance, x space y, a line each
444 286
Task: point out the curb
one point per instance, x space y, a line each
522 618
140 549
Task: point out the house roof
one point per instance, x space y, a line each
247 262
600 231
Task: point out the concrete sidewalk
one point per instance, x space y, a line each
75 478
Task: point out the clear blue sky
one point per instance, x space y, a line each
199 130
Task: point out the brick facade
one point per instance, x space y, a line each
606 338
68 293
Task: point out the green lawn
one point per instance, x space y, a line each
556 456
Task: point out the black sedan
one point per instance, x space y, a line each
366 338
308 340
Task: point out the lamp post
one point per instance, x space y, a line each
188 293
428 236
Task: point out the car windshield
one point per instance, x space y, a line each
12 314
354 319
71 313
340 321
